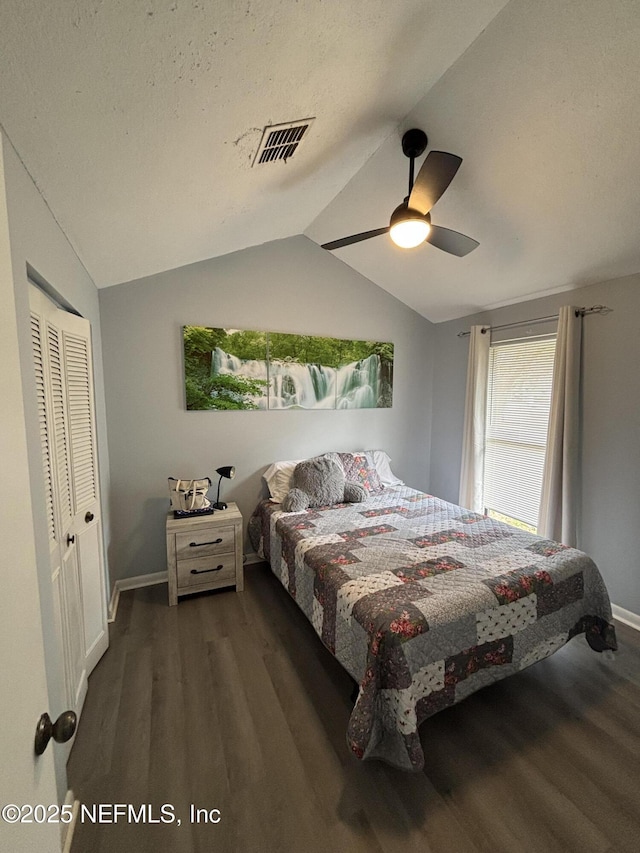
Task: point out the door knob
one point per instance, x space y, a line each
88 517
61 731
70 539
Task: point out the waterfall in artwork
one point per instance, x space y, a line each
301 386
223 362
359 384
308 386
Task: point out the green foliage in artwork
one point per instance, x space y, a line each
205 390
330 352
199 340
384 350
246 345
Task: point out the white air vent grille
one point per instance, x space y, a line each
281 141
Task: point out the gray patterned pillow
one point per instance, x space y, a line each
357 469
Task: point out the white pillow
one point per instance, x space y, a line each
379 459
278 478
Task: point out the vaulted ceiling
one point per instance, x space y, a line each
139 123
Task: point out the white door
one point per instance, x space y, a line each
61 346
24 779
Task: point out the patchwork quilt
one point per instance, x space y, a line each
423 603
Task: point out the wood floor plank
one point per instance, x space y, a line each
98 722
469 778
575 784
543 810
169 771
575 740
229 701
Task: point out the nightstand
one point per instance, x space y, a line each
204 552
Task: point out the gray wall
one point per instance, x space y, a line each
610 508
37 240
290 286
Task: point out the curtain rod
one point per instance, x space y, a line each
580 312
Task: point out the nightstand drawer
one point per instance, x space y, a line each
206 569
202 543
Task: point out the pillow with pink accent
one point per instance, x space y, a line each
357 470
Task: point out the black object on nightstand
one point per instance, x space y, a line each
193 513
229 472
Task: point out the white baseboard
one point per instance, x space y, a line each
132 583
150 580
66 829
626 616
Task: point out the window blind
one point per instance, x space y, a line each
518 403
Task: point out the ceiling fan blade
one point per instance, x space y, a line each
354 238
451 241
437 172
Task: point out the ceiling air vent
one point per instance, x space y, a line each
281 141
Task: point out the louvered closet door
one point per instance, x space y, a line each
86 522
64 387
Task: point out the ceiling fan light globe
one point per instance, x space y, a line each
409 233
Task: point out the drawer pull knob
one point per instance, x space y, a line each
200 544
204 571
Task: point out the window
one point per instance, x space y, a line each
518 403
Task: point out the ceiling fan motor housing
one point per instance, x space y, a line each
414 142
404 212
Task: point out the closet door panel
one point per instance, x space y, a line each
93 594
43 421
84 486
73 636
80 420
58 427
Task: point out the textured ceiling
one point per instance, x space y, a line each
139 122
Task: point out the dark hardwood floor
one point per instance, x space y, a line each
230 702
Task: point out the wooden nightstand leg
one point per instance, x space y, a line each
239 563
171 569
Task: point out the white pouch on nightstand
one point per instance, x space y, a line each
188 495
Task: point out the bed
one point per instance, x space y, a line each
423 603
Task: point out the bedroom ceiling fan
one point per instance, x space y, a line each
410 222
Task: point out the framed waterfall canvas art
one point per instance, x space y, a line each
236 369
